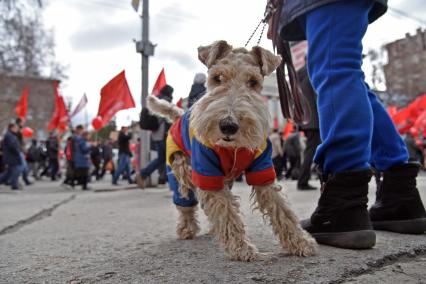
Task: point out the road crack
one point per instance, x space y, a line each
387 260
37 217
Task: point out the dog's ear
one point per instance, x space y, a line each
267 61
210 54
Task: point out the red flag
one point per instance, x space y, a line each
60 116
22 105
406 117
80 106
159 84
392 110
179 103
288 128
115 96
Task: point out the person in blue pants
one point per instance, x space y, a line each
12 157
356 131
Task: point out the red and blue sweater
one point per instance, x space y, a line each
212 165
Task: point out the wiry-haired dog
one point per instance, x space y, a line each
222 136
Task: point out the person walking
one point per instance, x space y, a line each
33 158
12 157
198 89
69 157
311 130
81 158
356 131
107 156
293 150
24 164
96 157
124 155
158 140
53 155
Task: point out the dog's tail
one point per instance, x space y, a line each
164 108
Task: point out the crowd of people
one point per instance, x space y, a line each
76 159
83 159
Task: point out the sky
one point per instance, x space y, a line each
95 40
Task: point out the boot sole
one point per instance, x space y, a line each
364 239
412 226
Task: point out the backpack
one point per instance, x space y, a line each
148 121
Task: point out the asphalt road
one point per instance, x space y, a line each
49 234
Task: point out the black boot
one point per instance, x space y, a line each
398 207
341 217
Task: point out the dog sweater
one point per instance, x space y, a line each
212 164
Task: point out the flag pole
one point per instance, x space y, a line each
146 49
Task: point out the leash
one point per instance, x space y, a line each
270 9
293 105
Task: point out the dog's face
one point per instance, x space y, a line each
233 113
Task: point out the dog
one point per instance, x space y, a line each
223 135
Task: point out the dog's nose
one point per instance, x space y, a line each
228 126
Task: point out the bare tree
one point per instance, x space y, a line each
377 61
27 47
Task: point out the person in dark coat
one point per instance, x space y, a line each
96 157
293 150
198 89
12 157
311 130
34 158
81 159
25 168
356 131
124 155
53 155
158 142
107 156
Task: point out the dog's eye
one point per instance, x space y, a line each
216 79
252 83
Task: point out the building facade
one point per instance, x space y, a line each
405 71
41 102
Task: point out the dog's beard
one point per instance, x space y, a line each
247 109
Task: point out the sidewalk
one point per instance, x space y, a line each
128 236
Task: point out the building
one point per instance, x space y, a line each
405 71
41 102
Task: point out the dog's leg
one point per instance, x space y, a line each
284 222
182 170
187 227
221 208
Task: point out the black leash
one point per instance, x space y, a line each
293 104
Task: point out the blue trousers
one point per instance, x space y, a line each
160 147
174 187
356 130
123 166
12 174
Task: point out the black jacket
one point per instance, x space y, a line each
289 27
11 150
124 143
197 91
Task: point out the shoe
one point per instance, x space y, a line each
305 187
398 207
140 181
341 217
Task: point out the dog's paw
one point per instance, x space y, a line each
247 252
306 246
186 233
